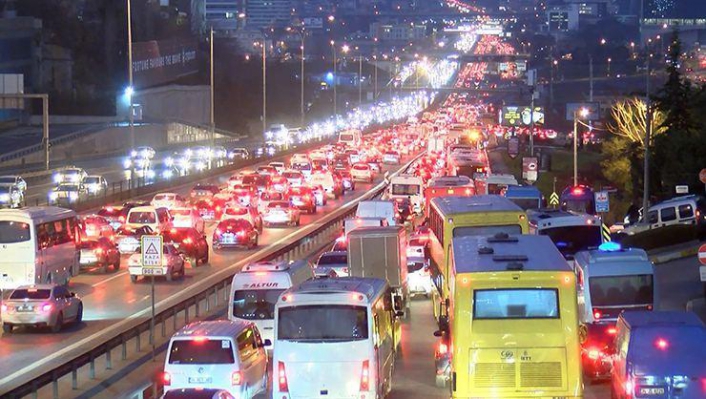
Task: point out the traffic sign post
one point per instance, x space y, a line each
152 254
602 202
529 169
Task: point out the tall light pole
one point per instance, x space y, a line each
375 77
583 112
360 80
211 137
264 85
335 95
129 75
301 99
648 135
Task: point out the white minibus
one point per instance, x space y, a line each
218 354
351 138
39 245
569 231
255 290
407 186
335 338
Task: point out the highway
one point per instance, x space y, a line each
111 298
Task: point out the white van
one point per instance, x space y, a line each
688 209
325 180
335 338
255 290
158 219
612 280
351 138
350 224
219 354
377 209
408 186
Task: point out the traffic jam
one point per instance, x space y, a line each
527 301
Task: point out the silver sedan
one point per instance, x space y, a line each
41 305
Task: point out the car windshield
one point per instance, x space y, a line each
30 293
333 259
110 212
622 290
67 187
7 180
520 303
301 166
278 204
234 225
405 189
571 239
13 232
292 175
322 323
180 212
164 197
255 304
91 180
4 189
142 217
256 180
201 351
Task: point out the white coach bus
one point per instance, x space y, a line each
38 245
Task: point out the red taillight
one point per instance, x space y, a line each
365 376
98 251
577 191
121 219
282 378
611 331
597 315
443 348
46 307
166 379
662 344
218 232
236 378
241 233
629 387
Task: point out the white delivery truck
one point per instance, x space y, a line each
380 252
354 223
408 186
377 209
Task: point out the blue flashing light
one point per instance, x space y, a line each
609 247
329 76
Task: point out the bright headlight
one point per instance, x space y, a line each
58 178
4 197
169 162
53 195
150 174
127 163
167 174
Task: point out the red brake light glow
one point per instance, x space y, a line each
597 315
611 331
236 378
443 348
365 376
46 307
166 379
282 377
199 339
577 191
662 344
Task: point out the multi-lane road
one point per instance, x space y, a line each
111 298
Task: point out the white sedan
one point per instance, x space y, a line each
281 213
172 265
41 305
168 200
362 172
187 217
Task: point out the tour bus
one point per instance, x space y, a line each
448 186
255 290
570 231
407 186
451 217
335 337
578 199
351 138
610 280
512 328
40 245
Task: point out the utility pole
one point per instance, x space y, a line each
375 78
360 81
531 135
211 138
335 99
576 162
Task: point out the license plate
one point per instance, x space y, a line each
651 391
151 271
228 238
25 308
200 380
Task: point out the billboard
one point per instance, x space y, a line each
158 62
594 111
558 21
313 22
521 116
11 83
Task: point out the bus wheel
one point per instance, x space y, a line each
133 278
441 381
7 328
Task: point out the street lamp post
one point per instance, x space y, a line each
264 85
360 80
582 112
213 103
129 74
301 99
609 61
375 77
335 95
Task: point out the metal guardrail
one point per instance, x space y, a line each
208 294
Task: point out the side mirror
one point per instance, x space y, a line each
438 333
266 342
72 294
399 313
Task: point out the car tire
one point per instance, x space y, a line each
79 314
104 268
57 325
116 265
204 260
441 381
170 276
297 222
7 328
133 278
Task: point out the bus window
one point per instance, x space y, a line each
12 232
466 231
571 239
323 323
530 303
405 189
621 290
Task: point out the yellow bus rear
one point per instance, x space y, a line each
451 217
513 321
